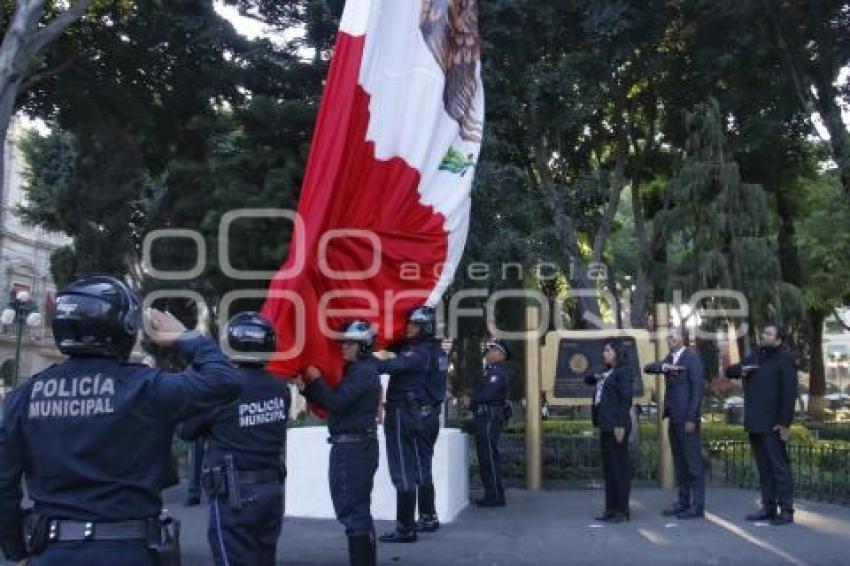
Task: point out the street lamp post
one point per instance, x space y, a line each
20 311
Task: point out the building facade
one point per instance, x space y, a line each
24 266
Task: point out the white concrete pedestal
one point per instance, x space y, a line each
308 494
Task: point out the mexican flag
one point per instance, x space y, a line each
384 209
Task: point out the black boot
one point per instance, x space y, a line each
785 517
428 521
766 513
361 550
405 530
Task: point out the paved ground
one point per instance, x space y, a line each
556 527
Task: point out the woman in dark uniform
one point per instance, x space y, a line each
352 423
612 402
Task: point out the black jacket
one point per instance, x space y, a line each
93 435
612 411
684 389
353 405
491 387
769 391
252 428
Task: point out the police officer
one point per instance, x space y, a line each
488 404
352 423
770 391
435 391
408 408
244 470
92 435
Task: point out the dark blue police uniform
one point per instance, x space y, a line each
426 439
352 423
489 395
93 437
407 405
246 439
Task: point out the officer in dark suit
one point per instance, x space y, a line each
612 403
435 391
683 377
92 435
352 423
408 407
489 407
770 391
244 467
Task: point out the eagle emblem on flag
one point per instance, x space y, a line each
450 29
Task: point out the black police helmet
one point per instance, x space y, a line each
251 337
500 345
360 332
426 318
97 316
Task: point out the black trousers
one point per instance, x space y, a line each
774 468
401 426
488 428
96 553
351 475
425 441
247 535
616 469
687 459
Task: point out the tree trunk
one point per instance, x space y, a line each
839 139
23 40
7 104
817 372
642 284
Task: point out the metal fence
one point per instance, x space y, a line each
569 459
821 471
830 430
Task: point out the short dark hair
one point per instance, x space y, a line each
617 346
780 332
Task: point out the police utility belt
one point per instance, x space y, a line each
224 481
161 535
494 409
346 437
414 404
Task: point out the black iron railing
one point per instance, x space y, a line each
821 471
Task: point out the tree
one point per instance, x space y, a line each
167 118
824 243
33 25
814 43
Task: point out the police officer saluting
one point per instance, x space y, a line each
408 407
92 435
770 391
352 423
489 405
244 470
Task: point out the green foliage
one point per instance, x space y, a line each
823 238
